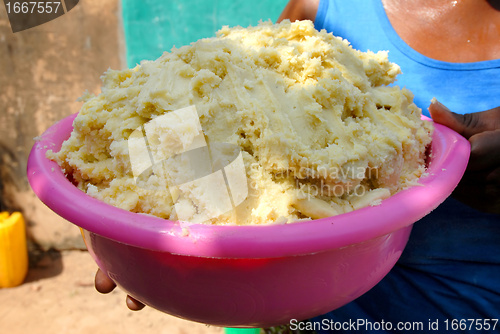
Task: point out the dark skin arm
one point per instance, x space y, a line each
480 185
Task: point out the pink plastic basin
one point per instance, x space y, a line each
247 276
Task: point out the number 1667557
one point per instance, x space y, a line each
33 7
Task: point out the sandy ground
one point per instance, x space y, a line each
58 296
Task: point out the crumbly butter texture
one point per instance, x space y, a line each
320 131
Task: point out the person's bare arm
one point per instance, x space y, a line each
480 185
300 10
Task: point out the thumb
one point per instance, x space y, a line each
467 125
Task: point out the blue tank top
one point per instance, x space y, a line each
450 268
462 87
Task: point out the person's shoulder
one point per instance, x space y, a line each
300 10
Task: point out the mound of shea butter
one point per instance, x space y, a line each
267 124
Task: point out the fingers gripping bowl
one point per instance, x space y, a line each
247 275
298 108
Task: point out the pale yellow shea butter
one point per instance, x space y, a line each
311 126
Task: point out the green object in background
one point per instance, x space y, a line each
242 330
154 26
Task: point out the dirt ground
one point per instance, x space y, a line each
58 296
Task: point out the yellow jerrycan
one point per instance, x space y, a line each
13 250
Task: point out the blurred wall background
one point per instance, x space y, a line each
45 69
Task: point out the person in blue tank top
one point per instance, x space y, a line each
449 272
